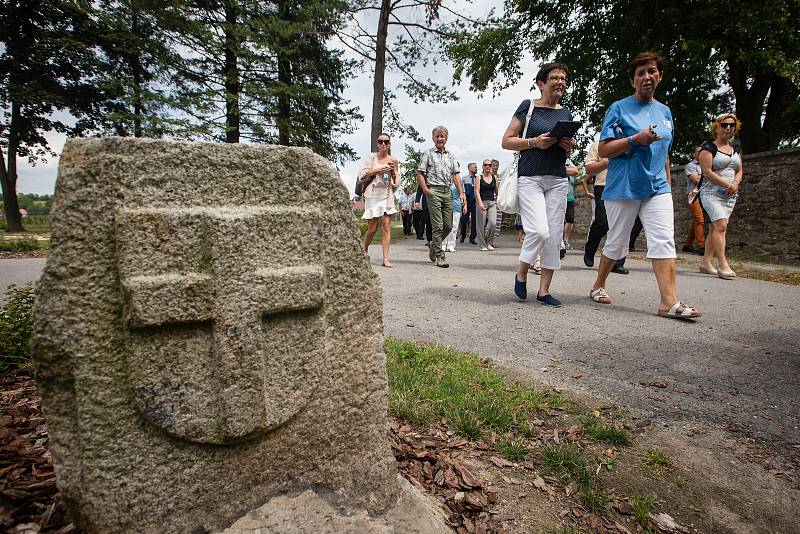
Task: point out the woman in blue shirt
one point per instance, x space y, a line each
636 138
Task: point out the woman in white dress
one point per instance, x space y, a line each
721 164
381 170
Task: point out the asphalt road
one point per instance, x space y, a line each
19 272
738 367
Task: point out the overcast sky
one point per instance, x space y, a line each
476 122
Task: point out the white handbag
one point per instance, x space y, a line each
507 198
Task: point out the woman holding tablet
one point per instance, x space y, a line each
543 186
636 138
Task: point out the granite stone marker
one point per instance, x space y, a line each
209 344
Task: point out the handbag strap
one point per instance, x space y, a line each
528 119
518 153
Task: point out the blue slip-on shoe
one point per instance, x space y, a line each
548 300
520 289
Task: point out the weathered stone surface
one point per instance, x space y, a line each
208 336
309 512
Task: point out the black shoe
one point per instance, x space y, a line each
419 237
562 252
587 259
619 269
700 251
473 242
687 248
461 240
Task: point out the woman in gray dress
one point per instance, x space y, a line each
721 164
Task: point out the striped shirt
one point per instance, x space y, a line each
438 167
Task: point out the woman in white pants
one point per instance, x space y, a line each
543 185
449 243
636 138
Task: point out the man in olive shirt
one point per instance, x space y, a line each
437 170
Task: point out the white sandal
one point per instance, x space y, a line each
598 294
687 313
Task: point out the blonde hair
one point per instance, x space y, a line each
718 121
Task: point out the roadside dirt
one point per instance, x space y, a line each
717 481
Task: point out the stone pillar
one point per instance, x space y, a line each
209 336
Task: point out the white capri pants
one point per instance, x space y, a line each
658 220
542 201
450 241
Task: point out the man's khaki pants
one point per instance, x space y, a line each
440 208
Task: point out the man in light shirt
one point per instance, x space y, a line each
437 169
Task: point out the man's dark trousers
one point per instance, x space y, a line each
469 192
599 227
406 222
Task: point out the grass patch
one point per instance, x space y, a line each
656 460
567 463
598 431
512 449
36 224
16 325
430 382
642 505
396 230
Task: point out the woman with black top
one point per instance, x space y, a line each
485 196
543 186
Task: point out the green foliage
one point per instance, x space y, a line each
612 435
430 382
642 505
715 50
656 460
19 245
34 204
408 168
263 72
16 325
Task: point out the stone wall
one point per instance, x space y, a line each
765 223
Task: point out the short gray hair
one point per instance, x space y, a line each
440 129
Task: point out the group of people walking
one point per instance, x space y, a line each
632 189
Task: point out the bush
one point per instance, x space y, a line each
19 245
16 324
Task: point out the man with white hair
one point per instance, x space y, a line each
438 168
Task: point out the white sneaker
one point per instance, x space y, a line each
451 250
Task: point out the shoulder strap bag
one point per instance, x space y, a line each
507 198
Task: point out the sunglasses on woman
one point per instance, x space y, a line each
383 141
728 124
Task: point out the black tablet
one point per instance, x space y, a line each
565 129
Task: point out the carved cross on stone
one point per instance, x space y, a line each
237 364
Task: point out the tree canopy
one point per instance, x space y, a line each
721 57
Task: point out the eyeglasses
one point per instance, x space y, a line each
487 164
562 79
728 124
384 142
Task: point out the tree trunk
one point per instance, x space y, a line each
283 120
750 108
232 84
136 70
380 72
8 175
